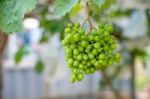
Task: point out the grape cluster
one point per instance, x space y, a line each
87 53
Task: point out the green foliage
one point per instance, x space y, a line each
54 26
20 54
103 4
64 6
39 67
98 6
75 10
12 14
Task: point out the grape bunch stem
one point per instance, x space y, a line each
88 19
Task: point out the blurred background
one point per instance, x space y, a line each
32 64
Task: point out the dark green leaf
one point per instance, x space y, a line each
39 67
20 54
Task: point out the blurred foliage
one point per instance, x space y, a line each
22 51
39 67
52 26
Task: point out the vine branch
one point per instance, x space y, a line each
109 82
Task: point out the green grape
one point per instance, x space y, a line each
87 71
80 77
70 25
96 38
83 62
91 38
117 56
81 49
67 30
91 56
77 25
88 64
97 45
79 57
76 52
81 66
84 43
89 47
92 70
72 46
86 54
85 57
75 63
81 31
73 78
75 71
113 46
94 52
96 64
70 60
101 56
76 37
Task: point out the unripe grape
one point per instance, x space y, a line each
82 31
84 43
76 52
96 45
73 46
77 24
91 56
70 25
79 57
75 63
67 30
96 64
101 56
81 49
96 38
84 62
85 57
80 77
70 60
87 71
73 78
76 37
81 66
92 70
94 52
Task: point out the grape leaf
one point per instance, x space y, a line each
103 4
64 6
39 67
12 14
20 54
75 10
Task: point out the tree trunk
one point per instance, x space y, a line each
3 42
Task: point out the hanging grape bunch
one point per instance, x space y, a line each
87 53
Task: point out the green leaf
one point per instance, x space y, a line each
99 2
20 54
64 6
44 39
39 67
12 14
54 26
103 4
75 10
